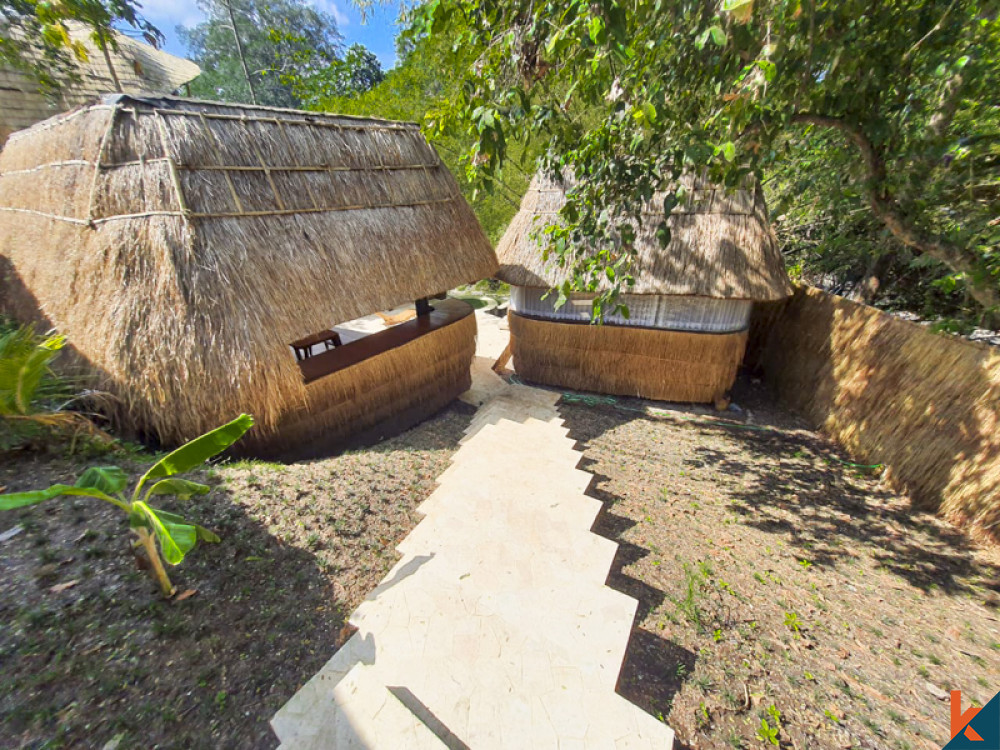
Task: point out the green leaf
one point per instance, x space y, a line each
663 234
176 539
29 375
206 535
769 69
596 28
21 499
701 39
108 479
198 451
669 203
182 488
718 36
730 5
729 150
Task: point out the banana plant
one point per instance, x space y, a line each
156 530
32 395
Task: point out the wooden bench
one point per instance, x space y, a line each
303 347
353 352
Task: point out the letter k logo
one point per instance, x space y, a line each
960 721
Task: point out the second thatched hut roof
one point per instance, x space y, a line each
721 245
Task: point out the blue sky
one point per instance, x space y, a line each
377 34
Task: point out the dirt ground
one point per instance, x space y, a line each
90 653
776 583
779 584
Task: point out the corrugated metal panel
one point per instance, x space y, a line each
674 313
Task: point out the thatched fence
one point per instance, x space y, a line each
892 392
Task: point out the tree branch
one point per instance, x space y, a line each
888 210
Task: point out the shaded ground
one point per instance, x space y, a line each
778 583
89 652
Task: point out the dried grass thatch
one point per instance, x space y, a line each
140 68
378 396
721 245
892 392
643 362
182 245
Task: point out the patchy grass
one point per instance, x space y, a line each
784 596
106 657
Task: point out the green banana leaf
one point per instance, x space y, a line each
177 537
183 489
14 500
107 479
198 451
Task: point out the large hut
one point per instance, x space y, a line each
201 256
689 310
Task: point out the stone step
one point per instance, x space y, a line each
515 552
517 404
305 711
486 384
572 511
532 435
498 418
361 714
535 474
581 624
482 663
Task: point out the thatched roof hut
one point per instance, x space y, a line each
182 246
138 68
689 310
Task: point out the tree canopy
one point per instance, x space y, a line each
279 40
422 77
887 108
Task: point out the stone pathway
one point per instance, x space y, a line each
495 629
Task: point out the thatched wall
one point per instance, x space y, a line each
644 362
378 397
892 392
182 245
721 245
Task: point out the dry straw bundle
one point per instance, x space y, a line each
666 365
182 245
721 244
892 392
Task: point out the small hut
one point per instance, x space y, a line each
131 67
200 256
689 311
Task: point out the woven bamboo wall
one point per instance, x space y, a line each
891 392
644 362
377 397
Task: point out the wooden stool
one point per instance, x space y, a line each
303 347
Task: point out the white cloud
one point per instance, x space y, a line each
173 12
331 7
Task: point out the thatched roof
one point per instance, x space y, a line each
141 69
721 245
183 244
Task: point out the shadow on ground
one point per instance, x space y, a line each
91 652
771 571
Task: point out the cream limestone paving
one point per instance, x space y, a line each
495 629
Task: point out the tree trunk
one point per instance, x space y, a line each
102 43
239 51
959 259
